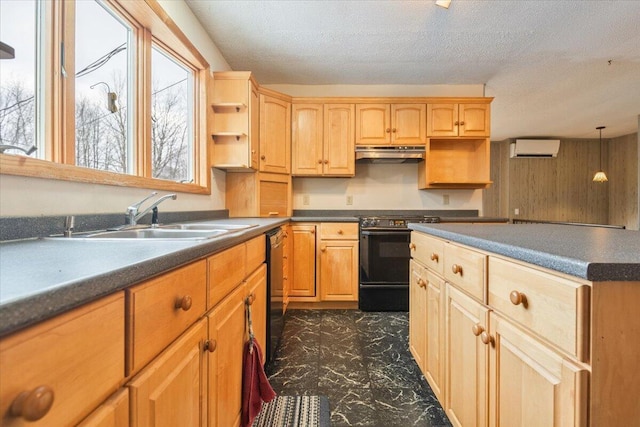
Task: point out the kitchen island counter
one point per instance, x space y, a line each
592 253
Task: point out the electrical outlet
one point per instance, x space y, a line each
516 211
349 200
445 199
305 199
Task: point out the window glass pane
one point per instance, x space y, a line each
18 77
171 118
101 90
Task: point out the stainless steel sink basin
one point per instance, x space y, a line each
158 233
207 226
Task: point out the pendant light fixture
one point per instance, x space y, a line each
600 176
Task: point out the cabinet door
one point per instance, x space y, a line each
339 140
408 124
303 261
286 267
418 313
171 390
227 333
434 354
114 412
532 385
474 120
442 120
275 135
338 270
254 126
373 124
467 360
257 292
306 141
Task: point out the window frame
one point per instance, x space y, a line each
149 22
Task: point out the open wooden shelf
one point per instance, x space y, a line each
455 163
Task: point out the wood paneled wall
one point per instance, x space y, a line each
622 171
562 189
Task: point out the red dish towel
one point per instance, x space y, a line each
255 385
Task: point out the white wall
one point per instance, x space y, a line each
379 186
23 196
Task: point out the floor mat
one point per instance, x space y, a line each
295 411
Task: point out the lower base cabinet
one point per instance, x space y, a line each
467 360
114 412
171 390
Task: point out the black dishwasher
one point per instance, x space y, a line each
275 318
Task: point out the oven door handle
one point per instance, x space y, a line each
383 233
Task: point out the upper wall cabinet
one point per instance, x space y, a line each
275 135
390 124
323 140
456 120
234 123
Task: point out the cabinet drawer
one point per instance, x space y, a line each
256 253
428 251
162 308
555 308
78 355
339 231
466 269
226 271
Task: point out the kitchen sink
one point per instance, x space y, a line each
158 233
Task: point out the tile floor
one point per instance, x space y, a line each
361 362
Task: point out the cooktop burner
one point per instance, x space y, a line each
395 221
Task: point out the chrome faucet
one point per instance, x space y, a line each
27 151
133 214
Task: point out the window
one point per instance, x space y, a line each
171 118
20 97
120 98
101 90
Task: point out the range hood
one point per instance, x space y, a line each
390 154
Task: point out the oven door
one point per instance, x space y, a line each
384 257
384 270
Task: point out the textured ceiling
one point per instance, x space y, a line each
545 62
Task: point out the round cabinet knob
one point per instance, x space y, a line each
456 123
517 298
457 269
184 303
251 298
412 246
340 232
461 123
434 257
320 161
422 283
477 329
263 157
388 130
486 338
210 345
323 248
32 405
326 162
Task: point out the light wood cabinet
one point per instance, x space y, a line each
303 261
418 313
161 309
338 273
275 135
286 266
455 163
114 412
234 121
64 368
172 389
453 120
390 124
532 385
434 359
227 331
257 293
467 360
258 194
323 140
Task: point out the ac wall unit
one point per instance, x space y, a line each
534 148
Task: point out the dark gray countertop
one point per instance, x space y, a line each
597 254
43 277
324 219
